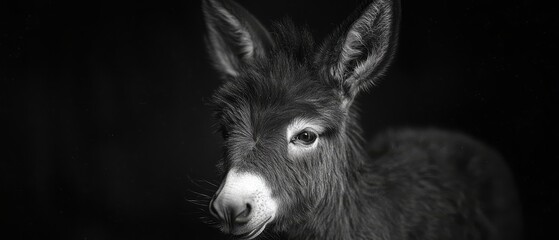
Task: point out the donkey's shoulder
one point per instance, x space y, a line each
448 177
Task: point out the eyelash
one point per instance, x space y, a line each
306 137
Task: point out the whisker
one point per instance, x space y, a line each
198 183
210 183
197 202
201 194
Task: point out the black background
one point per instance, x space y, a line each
106 131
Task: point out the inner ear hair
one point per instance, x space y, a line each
364 49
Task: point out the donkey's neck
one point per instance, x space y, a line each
347 213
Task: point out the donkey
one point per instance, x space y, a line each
295 163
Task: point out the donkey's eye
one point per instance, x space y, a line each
305 137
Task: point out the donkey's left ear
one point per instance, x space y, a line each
359 52
235 37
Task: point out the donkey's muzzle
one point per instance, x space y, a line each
243 205
231 210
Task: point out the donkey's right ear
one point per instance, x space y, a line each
358 52
235 37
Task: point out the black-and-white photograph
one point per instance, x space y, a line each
308 119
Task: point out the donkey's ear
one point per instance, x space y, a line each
235 37
358 52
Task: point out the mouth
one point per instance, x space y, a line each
255 232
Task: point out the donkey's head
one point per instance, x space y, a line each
285 112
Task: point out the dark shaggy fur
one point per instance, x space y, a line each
407 184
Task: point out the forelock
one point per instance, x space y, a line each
294 41
286 80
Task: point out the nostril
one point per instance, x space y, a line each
244 216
